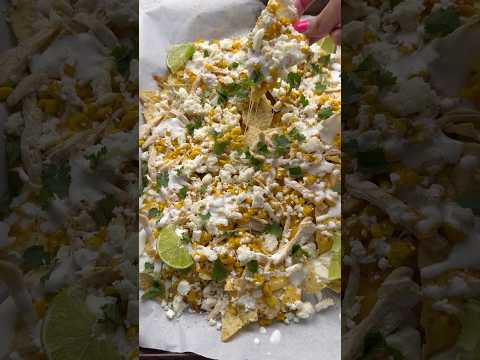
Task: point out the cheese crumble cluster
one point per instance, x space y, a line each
411 154
240 153
66 220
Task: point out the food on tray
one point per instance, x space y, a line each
68 230
411 153
240 157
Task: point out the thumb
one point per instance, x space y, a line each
324 23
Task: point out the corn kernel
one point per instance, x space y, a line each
69 70
49 106
308 210
129 119
5 92
40 306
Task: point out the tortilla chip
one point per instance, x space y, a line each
145 281
259 115
149 99
22 15
233 321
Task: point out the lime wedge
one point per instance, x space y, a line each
68 331
328 45
178 56
171 250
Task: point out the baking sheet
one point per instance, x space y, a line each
163 23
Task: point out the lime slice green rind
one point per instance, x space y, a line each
171 250
68 331
328 45
179 55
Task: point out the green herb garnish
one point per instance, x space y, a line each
154 212
257 76
233 65
162 180
123 55
103 212
296 135
219 147
295 172
303 101
274 229
294 80
196 124
282 144
206 53
219 272
325 113
34 257
96 157
252 266
206 216
149 267
182 193
154 292
442 22
262 148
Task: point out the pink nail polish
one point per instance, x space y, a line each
301 26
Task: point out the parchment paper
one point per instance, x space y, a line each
163 23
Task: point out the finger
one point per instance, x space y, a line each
302 5
325 22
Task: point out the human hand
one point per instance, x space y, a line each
328 22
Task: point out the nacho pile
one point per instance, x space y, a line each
240 158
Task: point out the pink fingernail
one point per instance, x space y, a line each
301 26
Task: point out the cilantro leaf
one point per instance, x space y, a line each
206 216
297 251
254 161
34 257
219 272
442 22
294 80
325 113
154 292
154 212
222 96
103 212
252 266
206 53
295 172
296 135
182 193
274 229
320 86
257 76
303 101
233 65
162 180
282 144
375 73
350 89
262 148
56 179
219 147
315 68
186 238
96 157
196 124
149 267
123 55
